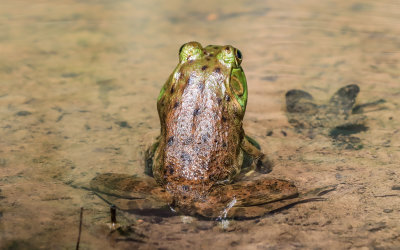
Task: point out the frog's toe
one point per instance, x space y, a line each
246 212
264 166
122 185
299 101
129 192
343 100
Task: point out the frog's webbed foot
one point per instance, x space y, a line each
132 193
253 158
233 200
279 205
250 199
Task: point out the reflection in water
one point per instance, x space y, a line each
222 217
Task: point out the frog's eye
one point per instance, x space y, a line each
190 51
238 57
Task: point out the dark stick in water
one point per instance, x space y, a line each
80 229
113 211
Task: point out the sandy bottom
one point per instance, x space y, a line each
78 88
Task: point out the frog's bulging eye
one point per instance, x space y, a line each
190 51
238 56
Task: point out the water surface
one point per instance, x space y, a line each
78 88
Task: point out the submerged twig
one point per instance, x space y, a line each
80 229
113 213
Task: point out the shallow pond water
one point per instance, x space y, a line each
78 87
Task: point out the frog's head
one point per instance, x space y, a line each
223 61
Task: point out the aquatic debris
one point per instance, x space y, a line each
80 229
338 119
113 213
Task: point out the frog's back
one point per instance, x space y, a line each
201 121
201 140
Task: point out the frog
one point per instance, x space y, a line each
203 164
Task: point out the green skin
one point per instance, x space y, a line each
199 162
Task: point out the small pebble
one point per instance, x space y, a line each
186 219
396 187
23 113
123 124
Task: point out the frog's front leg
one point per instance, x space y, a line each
248 199
130 192
254 159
